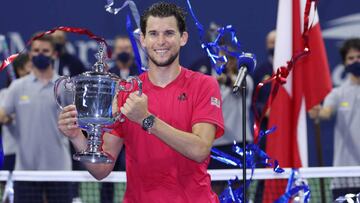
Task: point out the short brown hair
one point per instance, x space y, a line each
45 38
19 63
353 43
162 9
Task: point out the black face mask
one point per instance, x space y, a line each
354 69
123 57
271 52
41 61
59 47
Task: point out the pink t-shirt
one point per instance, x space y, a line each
155 171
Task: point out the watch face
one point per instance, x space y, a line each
148 122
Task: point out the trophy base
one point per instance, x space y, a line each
93 157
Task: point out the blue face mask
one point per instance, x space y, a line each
354 69
123 57
41 61
271 52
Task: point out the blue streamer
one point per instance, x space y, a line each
134 44
134 36
132 6
231 195
254 156
294 186
213 49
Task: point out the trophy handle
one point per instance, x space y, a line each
130 80
68 85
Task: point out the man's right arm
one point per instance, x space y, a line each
111 144
321 112
4 118
6 104
329 106
326 112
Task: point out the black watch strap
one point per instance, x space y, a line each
148 122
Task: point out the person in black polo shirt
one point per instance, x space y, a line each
66 63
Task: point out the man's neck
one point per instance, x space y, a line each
44 76
162 76
355 80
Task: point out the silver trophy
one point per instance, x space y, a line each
94 95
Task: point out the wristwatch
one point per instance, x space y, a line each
148 122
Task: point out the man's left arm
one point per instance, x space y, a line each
195 145
207 122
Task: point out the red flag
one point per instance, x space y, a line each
307 85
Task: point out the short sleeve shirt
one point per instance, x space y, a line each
41 146
155 171
345 100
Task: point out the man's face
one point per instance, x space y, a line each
41 47
352 56
122 45
163 40
59 37
270 40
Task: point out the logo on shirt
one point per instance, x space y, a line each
215 102
182 97
344 104
24 99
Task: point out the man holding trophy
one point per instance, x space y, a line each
169 129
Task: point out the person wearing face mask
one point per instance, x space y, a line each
65 63
69 65
22 66
124 58
262 72
232 113
203 63
41 146
343 102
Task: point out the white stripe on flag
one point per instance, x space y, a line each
283 44
302 135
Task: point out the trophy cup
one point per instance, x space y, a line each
94 94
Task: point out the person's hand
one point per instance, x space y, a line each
314 112
267 113
136 107
6 120
67 122
221 78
